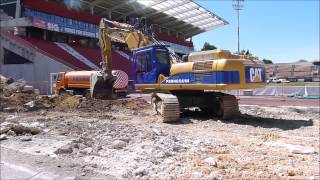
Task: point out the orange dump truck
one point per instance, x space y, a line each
78 82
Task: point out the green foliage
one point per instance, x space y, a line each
302 60
208 46
267 61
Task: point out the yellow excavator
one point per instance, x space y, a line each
197 82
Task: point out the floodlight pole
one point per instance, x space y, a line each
237 6
238 14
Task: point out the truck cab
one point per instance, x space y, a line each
150 62
60 83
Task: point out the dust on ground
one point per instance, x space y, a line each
125 139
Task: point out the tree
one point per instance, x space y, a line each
208 46
267 61
302 60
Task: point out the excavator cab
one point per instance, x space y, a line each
150 62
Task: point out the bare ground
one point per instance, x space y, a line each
124 139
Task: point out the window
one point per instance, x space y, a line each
59 77
141 63
163 57
149 61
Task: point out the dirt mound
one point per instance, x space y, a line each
16 101
75 103
30 102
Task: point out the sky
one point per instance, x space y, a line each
279 30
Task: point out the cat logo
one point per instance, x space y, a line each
256 75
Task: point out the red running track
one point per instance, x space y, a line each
279 101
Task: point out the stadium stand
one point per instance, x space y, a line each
56 9
293 71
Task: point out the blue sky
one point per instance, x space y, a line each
280 30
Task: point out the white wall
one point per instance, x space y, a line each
36 73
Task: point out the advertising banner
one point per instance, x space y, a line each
61 24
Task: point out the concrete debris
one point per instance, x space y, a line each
11 117
211 161
4 129
16 86
157 131
27 89
30 105
3 137
11 133
87 150
66 149
8 109
118 144
21 129
26 138
141 171
295 149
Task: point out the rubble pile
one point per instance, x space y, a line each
14 94
9 86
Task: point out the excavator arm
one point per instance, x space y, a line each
102 82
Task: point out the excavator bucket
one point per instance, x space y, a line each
101 87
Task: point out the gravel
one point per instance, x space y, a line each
3 137
117 143
26 138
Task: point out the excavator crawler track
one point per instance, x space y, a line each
228 106
167 105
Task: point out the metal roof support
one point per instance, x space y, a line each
177 27
180 15
100 6
109 15
92 10
95 2
197 19
185 27
194 33
18 9
186 17
198 23
174 23
204 22
166 9
191 30
162 18
142 8
122 4
186 11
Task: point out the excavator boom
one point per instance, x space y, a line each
102 82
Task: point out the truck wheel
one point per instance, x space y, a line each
86 93
62 92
